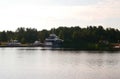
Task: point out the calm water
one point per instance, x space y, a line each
34 63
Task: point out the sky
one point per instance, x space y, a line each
47 14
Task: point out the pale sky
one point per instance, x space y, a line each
46 14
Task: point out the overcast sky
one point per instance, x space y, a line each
46 14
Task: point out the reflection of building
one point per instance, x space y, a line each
14 43
53 41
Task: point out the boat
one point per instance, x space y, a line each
37 43
14 43
53 41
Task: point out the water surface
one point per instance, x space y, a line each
34 63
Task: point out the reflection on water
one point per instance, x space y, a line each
40 63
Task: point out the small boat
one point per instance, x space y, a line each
14 43
37 43
53 41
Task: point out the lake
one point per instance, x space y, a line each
35 63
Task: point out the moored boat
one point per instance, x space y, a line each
14 43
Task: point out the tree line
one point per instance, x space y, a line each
91 36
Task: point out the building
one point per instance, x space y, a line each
53 41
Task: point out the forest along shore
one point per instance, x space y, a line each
89 38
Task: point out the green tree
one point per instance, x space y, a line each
20 34
3 36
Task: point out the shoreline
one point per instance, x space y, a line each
55 48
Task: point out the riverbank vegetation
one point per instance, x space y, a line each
91 37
